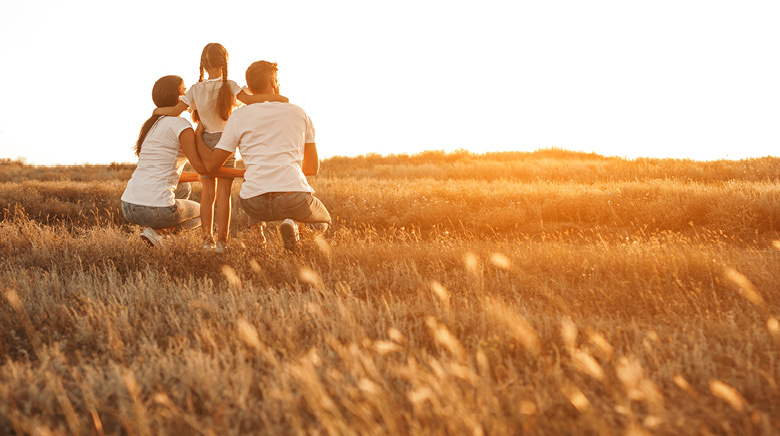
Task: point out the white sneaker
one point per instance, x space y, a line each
208 244
151 237
221 247
289 232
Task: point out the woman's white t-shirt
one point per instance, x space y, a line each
159 165
203 97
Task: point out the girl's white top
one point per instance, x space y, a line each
203 97
159 165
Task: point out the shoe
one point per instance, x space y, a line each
289 232
221 247
151 237
208 243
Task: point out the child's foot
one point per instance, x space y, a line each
208 243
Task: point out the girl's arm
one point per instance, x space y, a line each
259 98
189 144
172 111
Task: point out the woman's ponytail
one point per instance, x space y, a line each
145 131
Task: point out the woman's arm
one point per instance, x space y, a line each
225 173
189 177
171 111
259 98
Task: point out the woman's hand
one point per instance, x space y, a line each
200 130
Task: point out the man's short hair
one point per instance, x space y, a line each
259 74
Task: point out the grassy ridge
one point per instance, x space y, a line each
505 192
551 165
598 318
744 209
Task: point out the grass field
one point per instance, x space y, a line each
498 294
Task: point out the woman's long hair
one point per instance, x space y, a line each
165 93
214 55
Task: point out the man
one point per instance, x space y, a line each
276 141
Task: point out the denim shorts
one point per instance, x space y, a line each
276 206
211 140
183 214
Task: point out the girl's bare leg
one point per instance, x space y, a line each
224 190
207 207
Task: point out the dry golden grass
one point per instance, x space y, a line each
469 305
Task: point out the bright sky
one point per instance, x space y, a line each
689 79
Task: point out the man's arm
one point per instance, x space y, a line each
311 162
213 160
200 157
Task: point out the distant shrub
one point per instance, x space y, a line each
16 162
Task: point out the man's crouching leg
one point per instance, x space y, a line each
319 220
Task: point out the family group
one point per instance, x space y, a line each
275 139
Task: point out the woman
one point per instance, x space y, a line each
154 198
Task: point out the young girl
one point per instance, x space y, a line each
211 102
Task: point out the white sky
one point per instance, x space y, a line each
691 79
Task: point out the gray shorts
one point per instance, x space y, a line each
184 214
276 206
211 140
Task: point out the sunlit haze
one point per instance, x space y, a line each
683 79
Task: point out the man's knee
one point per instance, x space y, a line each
320 213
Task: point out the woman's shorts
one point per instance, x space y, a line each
211 140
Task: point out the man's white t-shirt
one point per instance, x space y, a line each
159 165
203 97
271 138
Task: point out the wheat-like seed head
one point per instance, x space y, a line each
727 394
231 276
745 286
500 261
248 334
